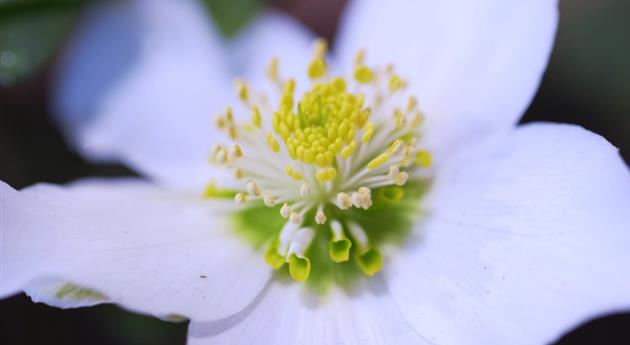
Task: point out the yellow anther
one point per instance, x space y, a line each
349 149
269 200
289 86
252 189
292 173
344 201
286 102
326 174
396 83
240 198
418 118
320 47
221 122
368 133
232 133
238 173
400 118
363 74
365 115
273 144
412 103
241 89
285 210
229 115
423 158
359 57
339 84
378 161
317 68
396 147
320 217
256 120
365 190
237 152
272 69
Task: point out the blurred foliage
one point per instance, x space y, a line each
30 32
230 16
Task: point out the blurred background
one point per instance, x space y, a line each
587 83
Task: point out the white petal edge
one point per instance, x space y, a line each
273 34
285 313
140 83
151 250
522 241
474 65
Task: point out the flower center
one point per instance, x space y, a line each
325 161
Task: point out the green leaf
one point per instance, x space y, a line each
30 33
230 16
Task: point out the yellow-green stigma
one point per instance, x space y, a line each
324 160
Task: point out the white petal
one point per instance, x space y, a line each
141 82
273 34
151 250
522 241
286 314
474 65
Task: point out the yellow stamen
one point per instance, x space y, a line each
378 161
363 74
273 144
326 174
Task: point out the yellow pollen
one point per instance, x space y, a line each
363 74
326 174
359 57
237 152
317 68
256 120
368 133
241 89
396 147
273 144
396 83
349 150
292 173
378 161
272 69
423 159
412 103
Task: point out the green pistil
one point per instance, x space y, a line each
327 259
370 262
299 268
339 250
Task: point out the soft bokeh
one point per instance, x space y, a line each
586 83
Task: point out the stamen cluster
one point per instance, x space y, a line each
323 155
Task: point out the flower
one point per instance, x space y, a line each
518 221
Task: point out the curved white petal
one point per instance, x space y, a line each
272 34
151 250
140 82
474 65
287 314
522 241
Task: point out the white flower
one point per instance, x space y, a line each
523 233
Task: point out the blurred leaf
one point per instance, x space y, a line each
230 16
30 32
